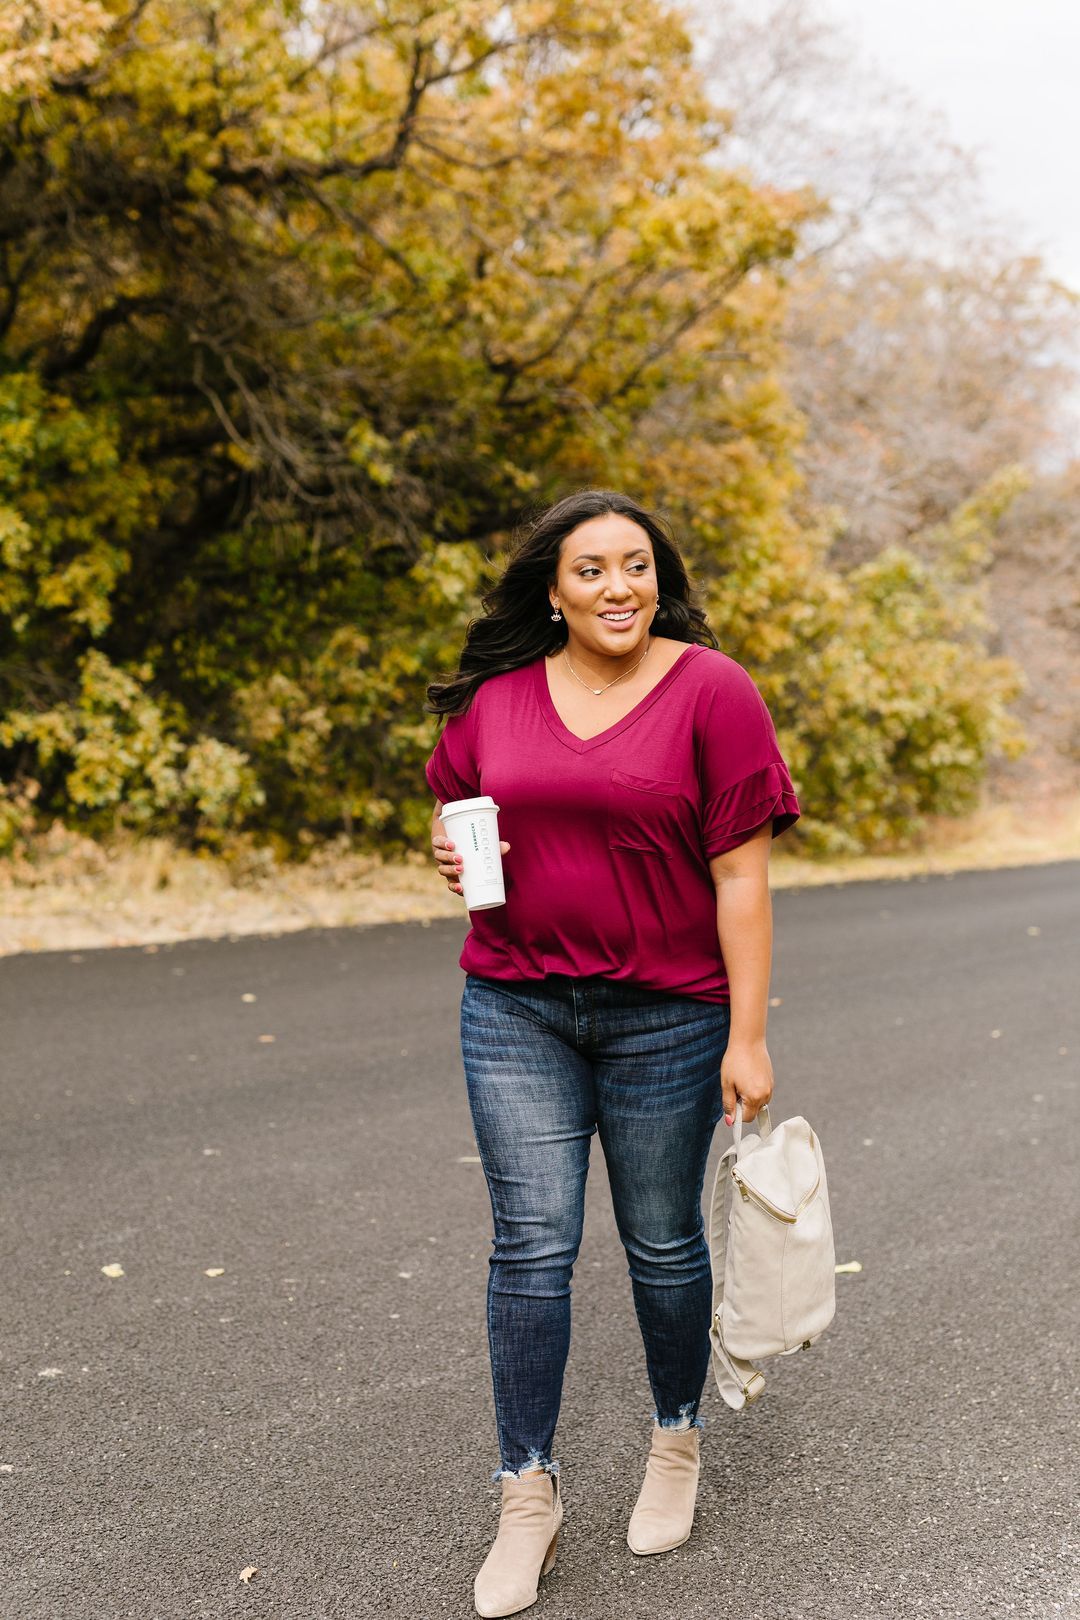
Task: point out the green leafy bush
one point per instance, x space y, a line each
293 328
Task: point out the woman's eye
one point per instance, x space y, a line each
585 572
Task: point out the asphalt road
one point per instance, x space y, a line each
321 1409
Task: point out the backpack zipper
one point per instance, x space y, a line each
752 1194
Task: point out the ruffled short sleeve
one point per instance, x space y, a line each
743 776
730 818
452 771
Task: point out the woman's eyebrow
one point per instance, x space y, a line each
590 556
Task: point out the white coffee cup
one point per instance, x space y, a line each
472 825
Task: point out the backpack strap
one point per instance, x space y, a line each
739 1381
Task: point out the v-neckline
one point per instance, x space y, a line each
580 744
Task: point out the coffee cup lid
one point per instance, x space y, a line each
461 806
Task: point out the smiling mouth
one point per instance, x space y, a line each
622 616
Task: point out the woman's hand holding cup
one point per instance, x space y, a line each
449 862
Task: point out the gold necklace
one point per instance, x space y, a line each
598 690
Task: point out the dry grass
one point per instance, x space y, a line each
73 894
1021 833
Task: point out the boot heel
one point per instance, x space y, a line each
549 1556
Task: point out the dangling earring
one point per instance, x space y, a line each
556 615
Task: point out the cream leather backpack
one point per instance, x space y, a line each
771 1244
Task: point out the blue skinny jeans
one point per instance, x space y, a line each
548 1062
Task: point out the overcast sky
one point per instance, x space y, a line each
1006 73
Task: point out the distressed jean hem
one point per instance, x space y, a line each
536 1464
685 1419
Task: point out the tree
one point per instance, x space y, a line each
301 305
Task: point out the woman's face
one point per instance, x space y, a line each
606 567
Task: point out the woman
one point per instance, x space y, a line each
640 785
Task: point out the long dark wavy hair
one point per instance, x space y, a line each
517 626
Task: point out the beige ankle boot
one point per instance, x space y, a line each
663 1515
524 1548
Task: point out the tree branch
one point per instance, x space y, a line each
667 343
257 177
346 216
115 314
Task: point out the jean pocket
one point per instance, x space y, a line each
643 813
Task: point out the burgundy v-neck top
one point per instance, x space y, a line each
610 836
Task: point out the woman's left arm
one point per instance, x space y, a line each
744 927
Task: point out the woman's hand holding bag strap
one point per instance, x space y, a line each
771 1246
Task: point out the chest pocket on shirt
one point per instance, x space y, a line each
643 813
